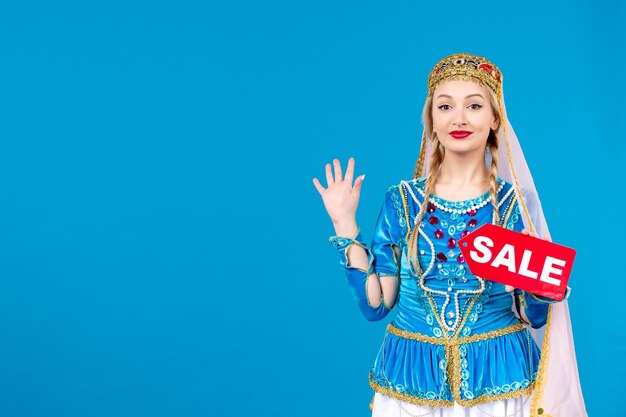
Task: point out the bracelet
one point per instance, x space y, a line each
341 242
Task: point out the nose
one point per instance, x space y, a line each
459 117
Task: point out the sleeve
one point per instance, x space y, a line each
535 306
387 234
381 260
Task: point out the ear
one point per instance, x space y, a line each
495 123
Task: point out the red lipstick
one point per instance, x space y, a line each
459 134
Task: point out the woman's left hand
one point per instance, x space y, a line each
510 288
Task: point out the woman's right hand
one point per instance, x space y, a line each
340 197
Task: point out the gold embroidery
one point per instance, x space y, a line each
543 363
509 210
453 356
456 341
509 204
408 398
497 397
415 336
453 366
452 347
405 204
453 359
425 402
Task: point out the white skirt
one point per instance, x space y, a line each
385 406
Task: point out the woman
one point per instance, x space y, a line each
460 345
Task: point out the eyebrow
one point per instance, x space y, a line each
471 95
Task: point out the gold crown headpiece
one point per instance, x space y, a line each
464 66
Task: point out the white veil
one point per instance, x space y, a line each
557 392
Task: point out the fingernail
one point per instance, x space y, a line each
362 177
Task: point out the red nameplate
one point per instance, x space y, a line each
522 261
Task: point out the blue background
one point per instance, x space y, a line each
163 251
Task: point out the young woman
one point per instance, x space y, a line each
459 345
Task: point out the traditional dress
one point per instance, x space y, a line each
458 345
456 337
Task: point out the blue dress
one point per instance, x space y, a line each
455 337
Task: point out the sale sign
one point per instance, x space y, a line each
522 261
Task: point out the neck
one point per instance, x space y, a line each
463 169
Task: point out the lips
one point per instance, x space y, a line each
460 134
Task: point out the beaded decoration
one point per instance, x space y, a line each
450 323
464 66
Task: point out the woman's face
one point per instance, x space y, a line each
460 107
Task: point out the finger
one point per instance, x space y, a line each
358 183
524 232
509 288
319 187
338 173
350 171
329 175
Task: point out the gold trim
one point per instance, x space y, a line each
509 210
368 254
506 207
541 372
492 334
436 314
367 297
567 291
405 205
425 402
453 359
408 398
497 397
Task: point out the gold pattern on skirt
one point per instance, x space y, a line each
453 358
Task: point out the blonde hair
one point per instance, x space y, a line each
436 158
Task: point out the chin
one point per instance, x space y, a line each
462 148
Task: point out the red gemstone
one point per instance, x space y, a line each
460 259
464 233
431 208
433 220
451 242
441 257
438 233
472 212
490 70
472 222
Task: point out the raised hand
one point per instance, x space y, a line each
510 288
340 197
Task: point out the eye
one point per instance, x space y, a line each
443 105
478 106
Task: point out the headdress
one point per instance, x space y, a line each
557 391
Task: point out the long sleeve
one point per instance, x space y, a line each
535 306
381 259
387 234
